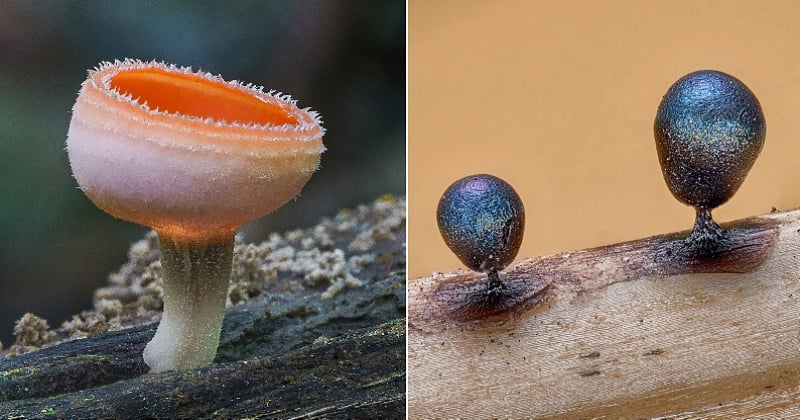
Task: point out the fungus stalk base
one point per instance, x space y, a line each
706 233
196 277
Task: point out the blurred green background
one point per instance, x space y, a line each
345 59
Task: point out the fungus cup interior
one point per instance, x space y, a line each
191 95
192 156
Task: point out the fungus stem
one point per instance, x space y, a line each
494 280
706 232
196 276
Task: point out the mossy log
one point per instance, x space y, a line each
649 328
288 353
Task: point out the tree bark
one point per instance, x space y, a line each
653 327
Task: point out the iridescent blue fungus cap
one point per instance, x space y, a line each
482 220
709 130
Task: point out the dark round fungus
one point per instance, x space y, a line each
482 220
709 130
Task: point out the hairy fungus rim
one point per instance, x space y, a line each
145 88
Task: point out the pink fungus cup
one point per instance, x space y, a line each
194 157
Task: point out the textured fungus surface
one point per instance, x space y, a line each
232 152
709 130
482 220
193 157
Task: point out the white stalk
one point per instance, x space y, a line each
196 277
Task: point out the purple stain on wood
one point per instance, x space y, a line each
468 300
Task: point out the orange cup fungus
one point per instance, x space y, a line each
192 156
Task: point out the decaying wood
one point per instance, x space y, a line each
647 328
358 374
286 354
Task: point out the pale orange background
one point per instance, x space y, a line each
558 98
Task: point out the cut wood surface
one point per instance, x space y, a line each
648 328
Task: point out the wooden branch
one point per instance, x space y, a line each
653 327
